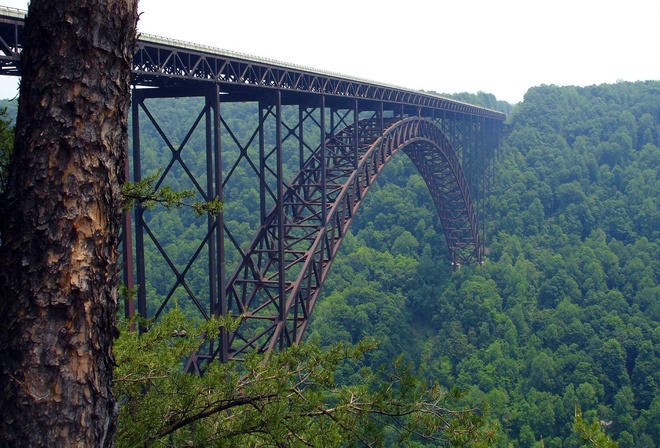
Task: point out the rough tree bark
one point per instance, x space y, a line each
60 222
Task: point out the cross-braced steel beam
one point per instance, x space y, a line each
268 267
272 282
276 285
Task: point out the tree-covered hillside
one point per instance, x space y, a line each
565 314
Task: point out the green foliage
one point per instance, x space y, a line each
592 435
565 311
145 192
482 99
289 398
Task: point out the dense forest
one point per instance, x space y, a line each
564 314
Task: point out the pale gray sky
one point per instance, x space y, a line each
501 47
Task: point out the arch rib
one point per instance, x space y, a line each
312 236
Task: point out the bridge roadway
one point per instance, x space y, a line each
341 131
164 62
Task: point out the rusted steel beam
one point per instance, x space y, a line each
339 130
164 62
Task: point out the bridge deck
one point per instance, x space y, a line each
164 62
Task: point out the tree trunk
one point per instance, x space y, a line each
60 223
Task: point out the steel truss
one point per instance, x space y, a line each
340 147
340 130
277 284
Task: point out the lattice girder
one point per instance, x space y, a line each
275 317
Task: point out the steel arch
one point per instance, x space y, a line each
276 286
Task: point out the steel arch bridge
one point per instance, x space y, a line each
338 131
275 295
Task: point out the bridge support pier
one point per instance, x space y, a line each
339 146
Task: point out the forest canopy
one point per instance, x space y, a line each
564 314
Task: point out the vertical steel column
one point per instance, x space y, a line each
221 306
464 153
127 256
323 165
211 221
478 196
473 158
451 127
474 187
138 98
127 244
262 164
280 224
215 227
332 120
453 138
381 112
356 145
301 163
301 138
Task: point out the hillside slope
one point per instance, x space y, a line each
566 312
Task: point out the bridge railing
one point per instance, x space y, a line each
162 62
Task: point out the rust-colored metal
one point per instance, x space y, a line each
272 315
344 131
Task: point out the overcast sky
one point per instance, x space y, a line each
501 47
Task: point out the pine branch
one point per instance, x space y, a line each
146 193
